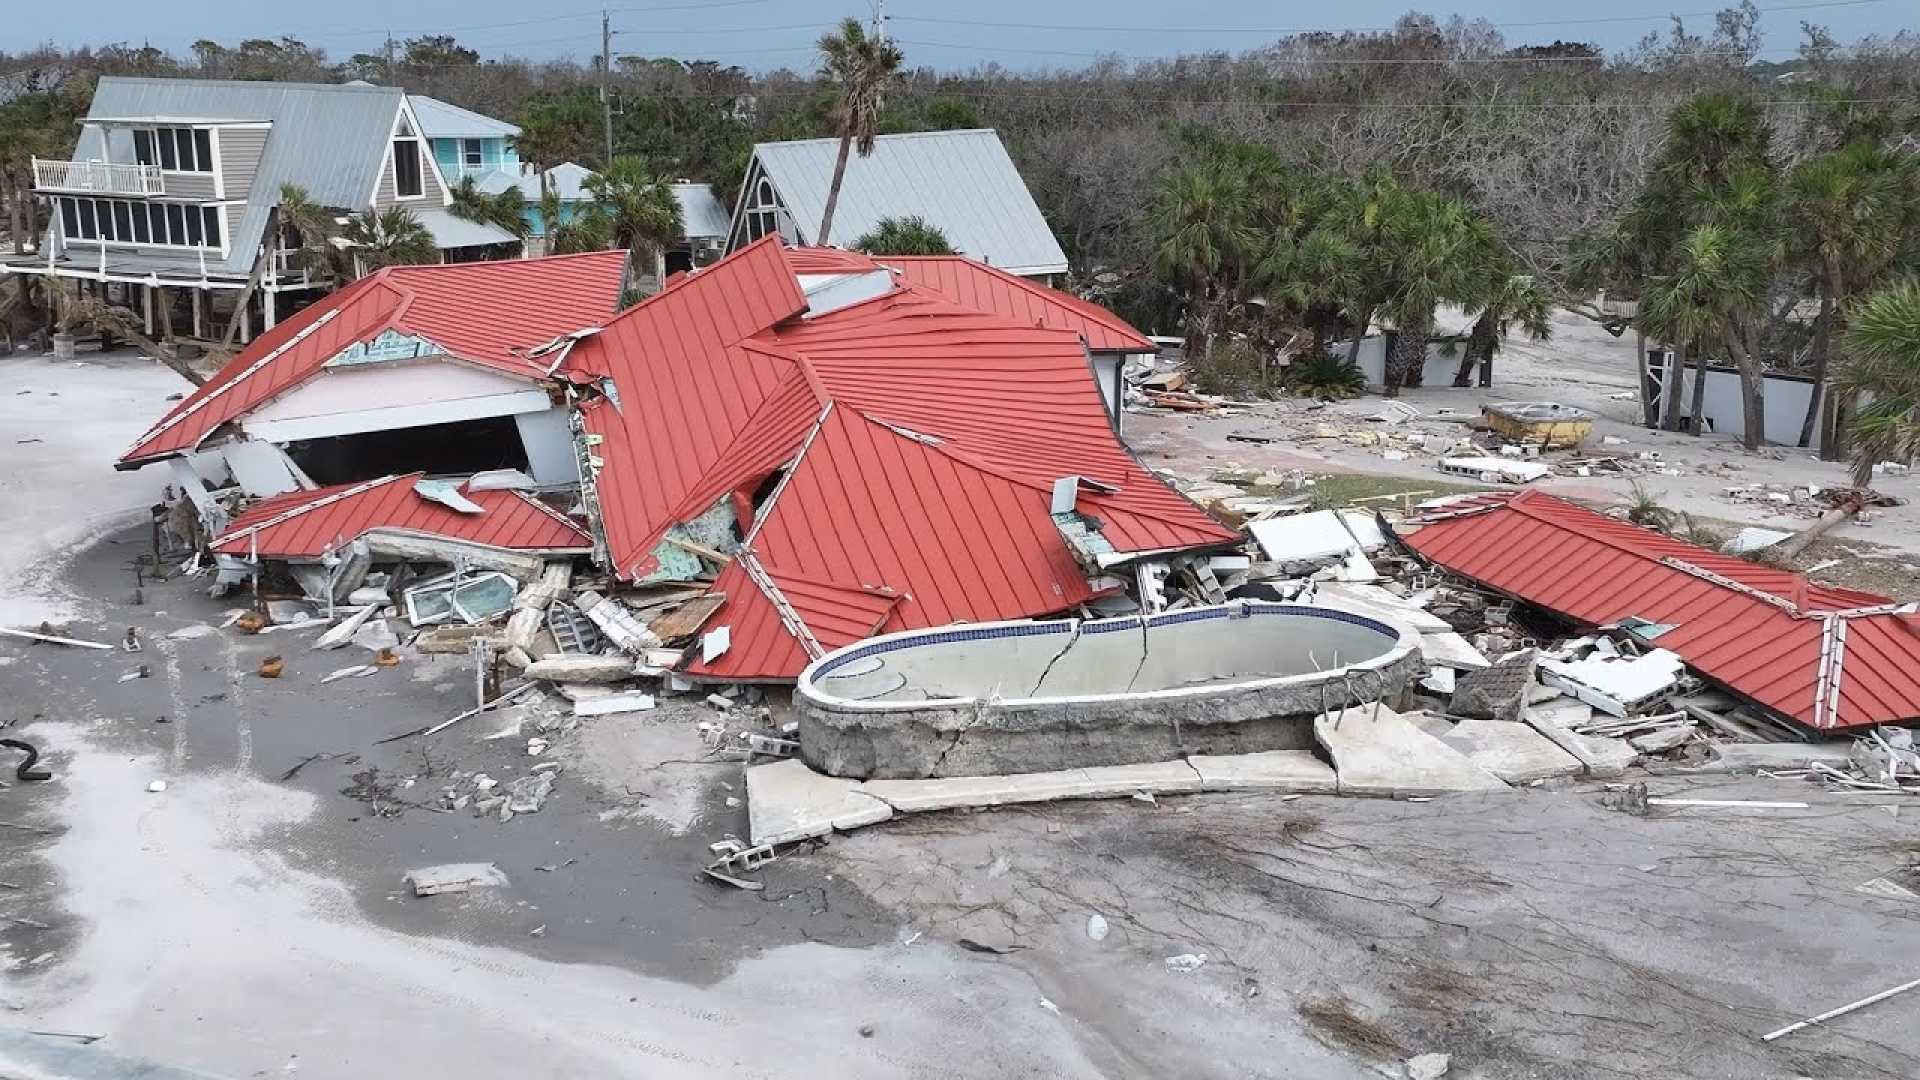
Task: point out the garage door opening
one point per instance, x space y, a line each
465 446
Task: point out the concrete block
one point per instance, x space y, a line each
1274 770
1604 758
1377 752
786 801
1499 691
1513 752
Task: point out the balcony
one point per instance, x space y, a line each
97 178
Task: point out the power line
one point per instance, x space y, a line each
1191 29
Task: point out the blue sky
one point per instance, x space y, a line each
763 34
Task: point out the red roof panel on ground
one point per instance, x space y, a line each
485 313
1759 631
921 499
307 524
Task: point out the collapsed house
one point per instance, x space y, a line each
1821 658
447 368
888 459
824 447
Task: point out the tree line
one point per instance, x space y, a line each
1553 163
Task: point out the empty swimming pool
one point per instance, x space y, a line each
1031 696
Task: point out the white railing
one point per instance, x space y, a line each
97 177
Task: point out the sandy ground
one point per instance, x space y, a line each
1582 366
246 926
61 427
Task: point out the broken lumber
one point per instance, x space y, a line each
1841 1011
52 638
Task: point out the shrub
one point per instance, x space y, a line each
1319 375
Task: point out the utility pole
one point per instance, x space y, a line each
880 20
606 77
389 52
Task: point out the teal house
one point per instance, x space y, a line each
465 143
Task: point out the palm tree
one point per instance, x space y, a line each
572 230
503 209
1718 279
308 229
1438 251
910 235
1854 210
547 136
390 237
1514 300
861 67
1880 359
642 212
1199 224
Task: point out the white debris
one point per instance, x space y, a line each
455 878
357 671
1186 961
157 786
1614 684
1428 1066
1097 926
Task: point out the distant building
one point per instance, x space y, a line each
961 182
704 220
465 143
174 183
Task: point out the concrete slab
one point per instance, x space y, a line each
1513 752
1603 758
786 801
1274 770
1376 751
948 793
1747 757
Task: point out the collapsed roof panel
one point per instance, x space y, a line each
307 524
925 439
1826 657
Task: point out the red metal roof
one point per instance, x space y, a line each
1828 658
486 313
307 524
828 260
978 287
921 439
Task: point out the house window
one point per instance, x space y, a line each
470 156
124 221
407 183
174 149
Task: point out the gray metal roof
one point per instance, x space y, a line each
330 140
450 230
702 215
439 120
962 182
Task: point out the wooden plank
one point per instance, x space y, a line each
31 636
686 621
